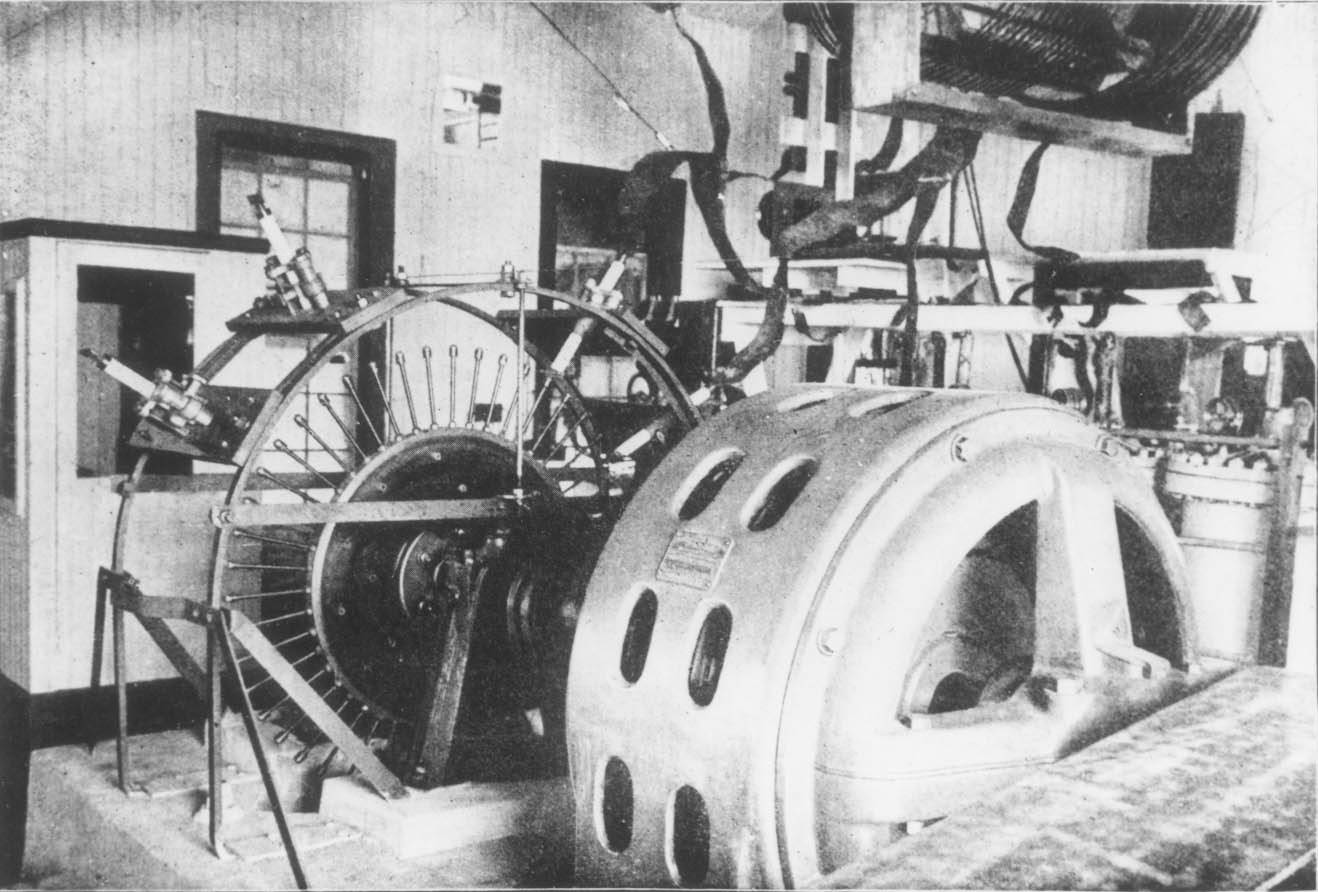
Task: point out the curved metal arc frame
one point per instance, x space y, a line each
276 408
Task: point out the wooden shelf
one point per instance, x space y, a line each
937 104
1131 320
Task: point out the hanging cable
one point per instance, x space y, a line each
618 97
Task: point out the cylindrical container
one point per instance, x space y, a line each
1226 517
1301 649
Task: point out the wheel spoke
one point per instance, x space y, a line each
401 361
384 400
1081 612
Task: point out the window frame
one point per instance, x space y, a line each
375 159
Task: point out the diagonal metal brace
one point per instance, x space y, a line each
124 593
363 758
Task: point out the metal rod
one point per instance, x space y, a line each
300 493
239 565
352 392
324 400
258 749
371 733
568 433
513 410
401 361
214 739
1190 437
306 465
324 767
427 354
452 385
288 732
553 420
494 391
535 406
265 714
302 422
120 697
477 355
273 540
285 616
384 398
98 646
298 662
361 711
253 596
297 637
521 378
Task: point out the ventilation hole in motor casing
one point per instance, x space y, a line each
798 401
706 481
777 491
707 656
883 403
614 801
688 837
636 640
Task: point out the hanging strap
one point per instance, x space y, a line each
1020 209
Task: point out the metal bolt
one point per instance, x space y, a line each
829 641
962 450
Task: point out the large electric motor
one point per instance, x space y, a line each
835 614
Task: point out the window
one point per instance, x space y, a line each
330 191
312 200
229 148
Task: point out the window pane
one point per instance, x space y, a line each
333 168
330 254
235 186
327 206
284 195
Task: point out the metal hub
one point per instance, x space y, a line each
382 593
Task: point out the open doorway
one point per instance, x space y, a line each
144 319
579 228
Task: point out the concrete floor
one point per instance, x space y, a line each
1214 792
83 833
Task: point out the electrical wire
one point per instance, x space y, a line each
617 91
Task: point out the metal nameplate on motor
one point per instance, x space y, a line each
694 559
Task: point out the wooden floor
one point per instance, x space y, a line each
1214 792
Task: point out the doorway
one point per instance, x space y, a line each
144 319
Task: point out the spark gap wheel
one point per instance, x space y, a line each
415 513
835 612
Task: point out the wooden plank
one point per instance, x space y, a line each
447 818
937 104
1213 792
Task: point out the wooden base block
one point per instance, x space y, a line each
446 818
